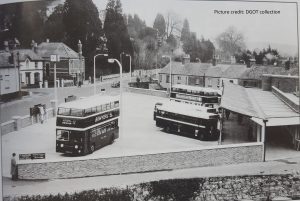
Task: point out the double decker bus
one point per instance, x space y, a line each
179 104
187 121
195 95
85 125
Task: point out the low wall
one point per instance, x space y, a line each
8 127
147 92
27 120
286 100
212 156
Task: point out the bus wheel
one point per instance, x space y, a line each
92 148
111 139
201 136
167 129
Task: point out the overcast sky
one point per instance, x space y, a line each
279 30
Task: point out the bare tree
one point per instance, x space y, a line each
173 24
231 41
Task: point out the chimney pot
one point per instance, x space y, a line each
6 48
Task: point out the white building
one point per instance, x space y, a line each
31 67
9 75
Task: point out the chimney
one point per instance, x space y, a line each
186 59
32 45
214 62
47 40
79 48
6 48
35 47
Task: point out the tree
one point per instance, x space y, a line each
118 39
24 21
185 32
173 24
81 22
54 27
160 24
231 41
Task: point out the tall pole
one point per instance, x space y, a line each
55 88
121 90
264 138
95 70
95 74
129 66
170 75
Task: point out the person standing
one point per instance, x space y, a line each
13 167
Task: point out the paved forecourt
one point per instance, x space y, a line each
140 136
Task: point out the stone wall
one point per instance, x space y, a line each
284 83
150 92
211 156
21 122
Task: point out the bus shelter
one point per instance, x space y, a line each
267 112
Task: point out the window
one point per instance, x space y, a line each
168 79
197 81
160 78
178 78
36 64
27 63
209 82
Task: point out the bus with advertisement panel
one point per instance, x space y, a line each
187 121
88 124
195 95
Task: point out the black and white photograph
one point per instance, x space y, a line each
149 100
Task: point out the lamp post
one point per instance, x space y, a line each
121 102
264 138
165 56
121 60
128 55
95 70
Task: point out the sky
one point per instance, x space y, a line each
278 30
260 30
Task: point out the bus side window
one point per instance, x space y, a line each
99 108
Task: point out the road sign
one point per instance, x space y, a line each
32 156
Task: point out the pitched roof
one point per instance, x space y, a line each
28 53
216 71
197 69
45 50
4 59
234 71
256 72
254 102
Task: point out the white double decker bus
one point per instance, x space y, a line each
195 95
86 125
188 121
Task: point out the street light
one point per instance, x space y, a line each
128 55
95 70
121 102
121 60
165 56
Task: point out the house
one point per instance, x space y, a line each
71 65
233 73
185 73
9 74
31 67
214 74
252 77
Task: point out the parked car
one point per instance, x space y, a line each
115 84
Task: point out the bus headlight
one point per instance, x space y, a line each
76 146
61 145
